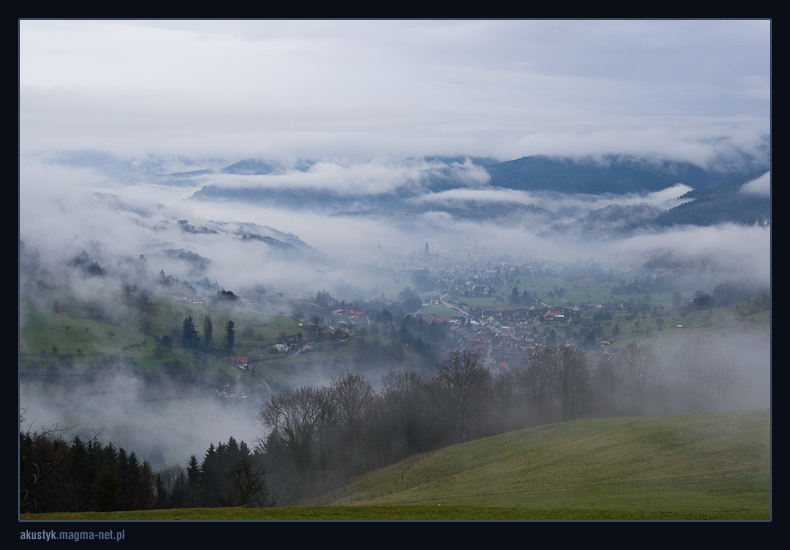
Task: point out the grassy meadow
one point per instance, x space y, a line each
712 466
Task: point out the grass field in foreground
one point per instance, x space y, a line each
393 513
694 467
702 463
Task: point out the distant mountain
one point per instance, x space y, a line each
257 167
726 203
279 241
460 159
715 198
613 220
320 200
610 174
490 210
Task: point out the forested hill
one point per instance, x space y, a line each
613 174
716 196
726 203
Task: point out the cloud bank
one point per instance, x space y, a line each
360 89
760 186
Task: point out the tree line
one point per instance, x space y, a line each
319 437
191 339
85 475
79 475
230 474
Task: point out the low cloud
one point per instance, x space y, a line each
141 417
664 199
760 186
356 178
722 252
130 220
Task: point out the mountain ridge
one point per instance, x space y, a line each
714 197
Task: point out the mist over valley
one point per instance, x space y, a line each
324 246
271 258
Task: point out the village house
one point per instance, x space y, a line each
238 361
430 318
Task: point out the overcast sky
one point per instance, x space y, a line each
378 89
360 96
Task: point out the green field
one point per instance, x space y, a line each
86 339
88 334
713 463
713 466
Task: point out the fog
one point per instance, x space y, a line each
163 423
130 220
121 131
760 186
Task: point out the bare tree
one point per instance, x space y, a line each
353 397
406 405
537 380
465 379
637 370
604 385
507 401
353 403
300 420
558 377
246 485
705 375
573 382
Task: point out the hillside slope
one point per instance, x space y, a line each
717 462
694 467
452 189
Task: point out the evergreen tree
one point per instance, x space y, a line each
208 331
208 476
137 482
107 485
162 496
182 496
189 335
231 475
230 339
82 475
60 476
514 296
193 480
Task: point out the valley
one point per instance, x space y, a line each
465 269
114 357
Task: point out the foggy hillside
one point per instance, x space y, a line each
213 211
170 239
507 192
